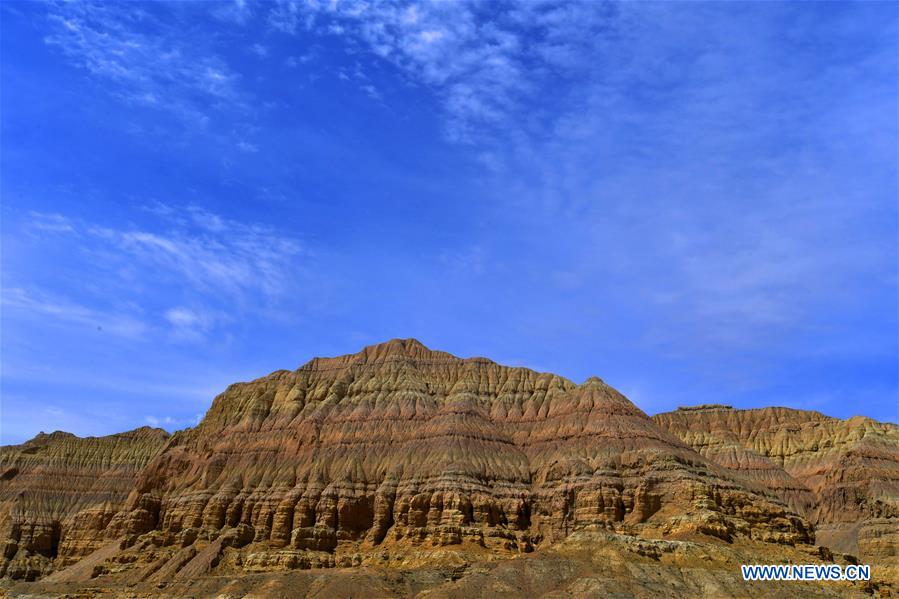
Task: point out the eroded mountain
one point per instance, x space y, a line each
58 492
400 457
842 475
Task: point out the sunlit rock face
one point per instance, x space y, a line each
403 456
401 446
58 492
842 475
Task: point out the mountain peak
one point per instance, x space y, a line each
398 446
387 351
405 347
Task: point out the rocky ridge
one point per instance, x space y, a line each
400 457
842 475
58 492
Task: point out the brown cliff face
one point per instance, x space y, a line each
843 475
58 491
381 454
401 456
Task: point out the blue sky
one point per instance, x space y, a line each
695 202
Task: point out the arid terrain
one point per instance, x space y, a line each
403 471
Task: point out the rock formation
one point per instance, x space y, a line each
842 475
399 457
58 492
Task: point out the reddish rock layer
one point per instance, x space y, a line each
399 447
843 475
58 492
403 456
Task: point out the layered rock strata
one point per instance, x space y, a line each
405 457
843 475
585 564
58 492
400 446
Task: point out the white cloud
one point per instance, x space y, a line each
69 313
212 255
625 123
293 62
287 16
183 317
431 36
477 68
52 222
372 92
203 218
158 69
215 266
238 11
170 423
193 324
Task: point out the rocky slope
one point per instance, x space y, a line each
843 475
403 457
585 564
399 446
58 492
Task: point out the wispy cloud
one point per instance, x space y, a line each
135 50
288 16
210 262
56 223
193 324
236 11
70 313
210 253
627 188
478 68
171 424
259 50
646 157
